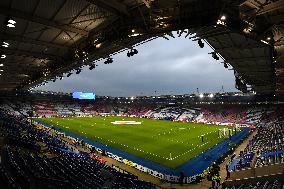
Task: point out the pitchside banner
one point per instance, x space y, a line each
81 95
170 178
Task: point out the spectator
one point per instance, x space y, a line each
228 172
218 180
181 178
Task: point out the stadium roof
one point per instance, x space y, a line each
51 38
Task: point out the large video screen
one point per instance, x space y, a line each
81 95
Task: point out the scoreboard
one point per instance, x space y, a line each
81 95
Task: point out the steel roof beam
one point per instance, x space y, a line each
271 7
43 21
111 5
147 3
237 48
29 53
246 59
29 41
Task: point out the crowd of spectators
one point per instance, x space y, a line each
267 147
24 163
210 114
228 115
23 143
265 182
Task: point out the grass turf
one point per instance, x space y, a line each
153 139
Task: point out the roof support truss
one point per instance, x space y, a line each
43 21
271 7
29 41
30 54
111 5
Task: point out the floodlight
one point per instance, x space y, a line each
78 71
214 55
221 20
5 44
108 61
132 52
92 66
247 30
200 43
225 65
11 23
98 45
201 95
264 41
211 95
3 56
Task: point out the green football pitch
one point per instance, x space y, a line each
165 142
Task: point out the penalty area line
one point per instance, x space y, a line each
182 154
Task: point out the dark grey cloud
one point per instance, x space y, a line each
177 66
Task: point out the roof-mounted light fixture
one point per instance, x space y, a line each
109 60
5 44
11 23
221 20
200 43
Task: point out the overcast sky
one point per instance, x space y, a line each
175 66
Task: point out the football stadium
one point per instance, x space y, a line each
151 139
86 104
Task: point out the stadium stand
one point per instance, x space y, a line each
47 40
232 115
266 145
265 182
60 168
23 143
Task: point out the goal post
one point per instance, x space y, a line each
225 132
